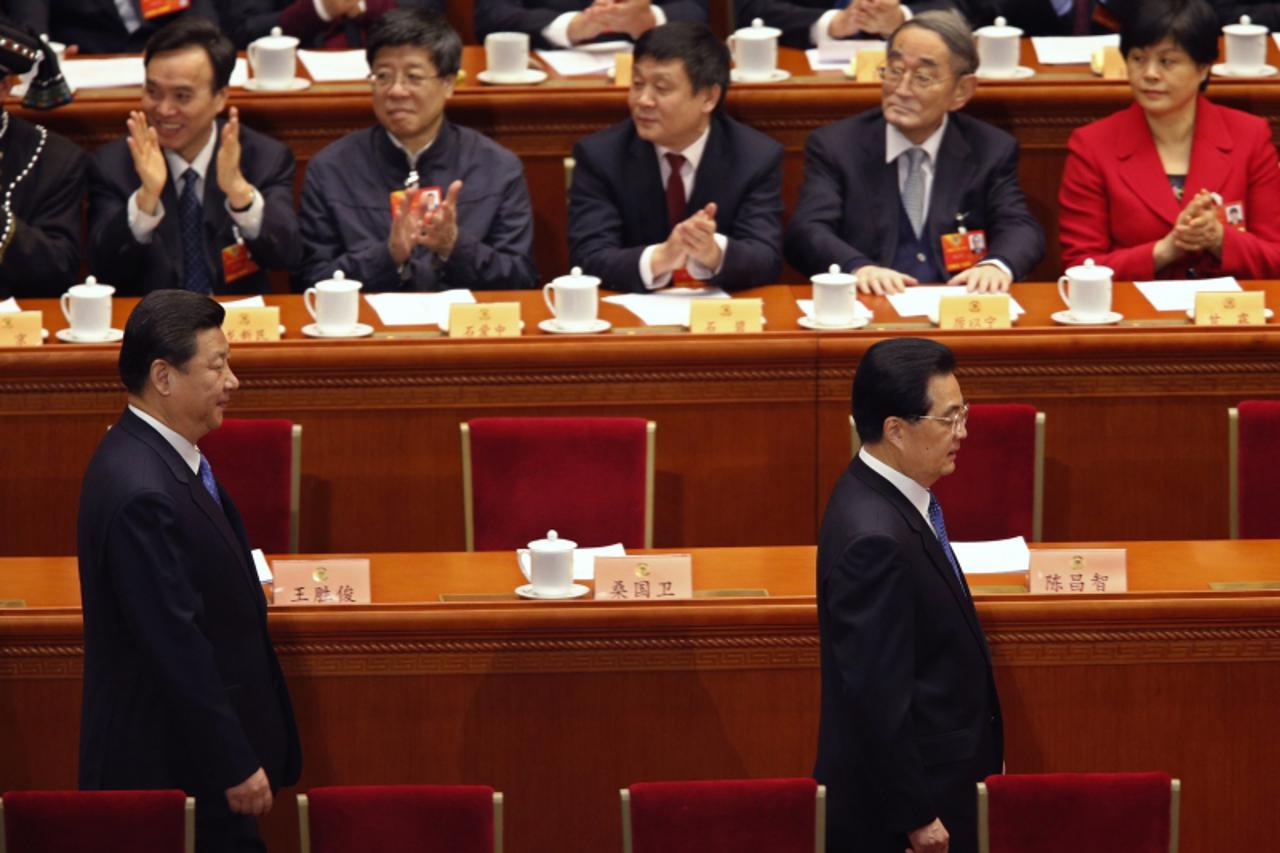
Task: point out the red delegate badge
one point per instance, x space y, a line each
1231 215
237 262
426 198
964 248
159 8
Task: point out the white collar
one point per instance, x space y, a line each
895 142
917 494
692 154
178 166
413 158
189 452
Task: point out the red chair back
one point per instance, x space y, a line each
1074 812
95 821
730 816
399 818
253 462
1258 489
991 494
582 477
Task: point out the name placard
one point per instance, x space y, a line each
726 316
990 311
866 65
484 320
622 63
1109 62
250 325
1231 309
310 582
21 329
1078 571
654 577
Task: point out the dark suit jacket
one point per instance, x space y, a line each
1115 201
796 17
533 16
910 717
1037 17
116 258
182 688
95 25
1266 13
618 203
251 19
849 205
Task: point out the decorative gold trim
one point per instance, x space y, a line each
304 823
624 794
468 498
1233 472
1037 487
498 821
295 486
650 461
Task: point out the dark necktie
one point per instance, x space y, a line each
195 267
913 188
940 528
675 191
206 479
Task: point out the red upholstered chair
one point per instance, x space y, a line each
97 822
259 463
400 818
590 479
1253 443
729 816
1074 812
997 489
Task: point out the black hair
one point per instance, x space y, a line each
417 28
705 57
194 31
893 380
1191 24
164 325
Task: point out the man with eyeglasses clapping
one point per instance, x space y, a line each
915 191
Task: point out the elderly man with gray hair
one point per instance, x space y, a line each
915 191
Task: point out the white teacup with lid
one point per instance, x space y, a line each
549 564
273 59
87 307
1246 47
834 297
334 304
506 56
999 49
755 50
1086 289
577 299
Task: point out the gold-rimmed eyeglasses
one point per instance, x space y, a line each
412 80
956 420
917 81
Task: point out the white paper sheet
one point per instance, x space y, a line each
328 66
1070 50
584 560
990 558
594 59
416 309
260 563
923 300
1276 38
669 307
9 306
104 73
859 310
246 302
836 55
1181 295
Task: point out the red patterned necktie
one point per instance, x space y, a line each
675 191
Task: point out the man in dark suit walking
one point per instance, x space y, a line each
187 201
916 191
182 688
910 716
679 192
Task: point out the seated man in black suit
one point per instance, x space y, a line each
186 201
806 23
564 23
315 23
916 191
102 26
1050 17
719 219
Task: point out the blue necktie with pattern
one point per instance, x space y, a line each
940 528
206 479
195 267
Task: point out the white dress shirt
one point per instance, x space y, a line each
820 31
915 493
557 32
189 452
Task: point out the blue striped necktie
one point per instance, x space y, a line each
940 528
206 479
195 266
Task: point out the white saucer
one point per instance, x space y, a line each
575 591
359 330
1222 70
1069 319
1022 72
855 323
596 327
297 84
777 75
529 77
112 335
1266 312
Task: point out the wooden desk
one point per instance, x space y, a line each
560 704
752 430
542 123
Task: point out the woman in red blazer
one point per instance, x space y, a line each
1174 186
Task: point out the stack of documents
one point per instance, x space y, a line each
1070 50
331 66
923 300
993 558
667 308
1181 295
416 309
589 59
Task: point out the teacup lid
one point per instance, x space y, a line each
834 275
277 40
758 30
1089 271
1000 29
92 282
576 278
340 280
1246 27
553 543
